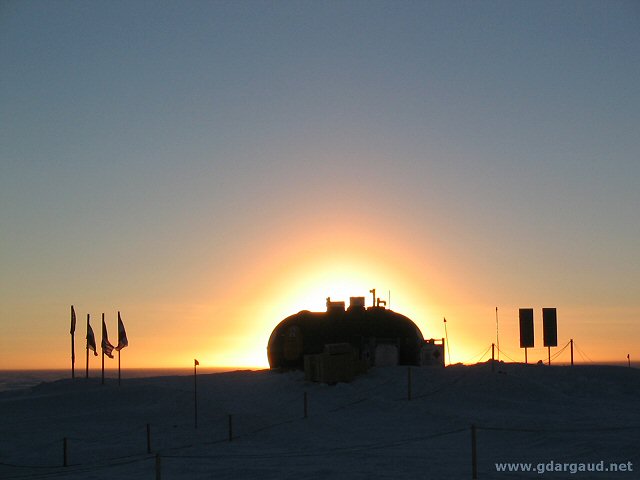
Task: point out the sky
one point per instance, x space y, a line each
209 168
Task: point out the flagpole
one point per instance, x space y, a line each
103 349
86 375
122 342
73 357
497 334
195 391
73 346
446 336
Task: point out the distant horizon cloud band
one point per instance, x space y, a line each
210 168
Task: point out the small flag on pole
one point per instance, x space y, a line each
107 348
122 335
196 362
73 321
91 339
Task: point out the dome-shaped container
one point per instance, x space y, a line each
306 333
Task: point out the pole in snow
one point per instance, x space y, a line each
195 391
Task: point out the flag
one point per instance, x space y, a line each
196 362
73 320
107 348
122 335
91 339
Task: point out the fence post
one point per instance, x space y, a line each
148 438
158 467
230 427
572 352
474 453
493 357
306 409
65 452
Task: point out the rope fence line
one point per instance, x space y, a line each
442 388
502 352
559 352
324 452
485 354
584 356
44 445
478 358
559 430
471 359
56 470
110 436
555 356
120 461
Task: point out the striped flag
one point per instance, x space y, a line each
107 348
73 320
91 339
122 335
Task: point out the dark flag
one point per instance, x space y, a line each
91 339
107 348
122 335
73 321
73 343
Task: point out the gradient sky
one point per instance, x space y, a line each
208 168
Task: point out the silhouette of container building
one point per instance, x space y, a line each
340 343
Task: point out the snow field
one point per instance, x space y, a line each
365 429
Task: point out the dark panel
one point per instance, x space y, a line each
550 327
526 327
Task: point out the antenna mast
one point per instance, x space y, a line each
446 336
497 334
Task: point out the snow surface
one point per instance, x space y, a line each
364 429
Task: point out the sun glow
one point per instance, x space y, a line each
306 280
299 274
